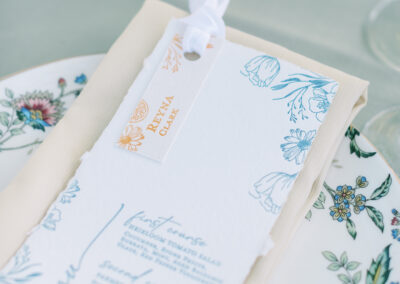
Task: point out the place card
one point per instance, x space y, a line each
167 101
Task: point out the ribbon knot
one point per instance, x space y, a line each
205 21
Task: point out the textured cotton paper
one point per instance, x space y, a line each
204 215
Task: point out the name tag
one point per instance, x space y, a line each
165 104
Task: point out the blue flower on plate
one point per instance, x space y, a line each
261 70
33 117
340 212
396 234
297 144
320 102
81 79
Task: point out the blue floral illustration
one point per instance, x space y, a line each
22 270
52 218
318 89
261 70
320 102
54 215
70 192
81 79
395 223
271 190
297 145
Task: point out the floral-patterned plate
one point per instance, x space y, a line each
32 102
352 233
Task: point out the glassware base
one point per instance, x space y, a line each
383 32
383 130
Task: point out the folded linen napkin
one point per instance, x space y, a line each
25 201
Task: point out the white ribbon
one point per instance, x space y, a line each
205 21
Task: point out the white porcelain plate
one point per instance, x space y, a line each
31 104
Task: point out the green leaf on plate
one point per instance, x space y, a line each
351 228
322 197
379 270
309 215
383 189
9 93
330 256
343 258
5 103
16 131
351 133
344 278
4 118
376 216
334 266
330 191
357 277
352 265
20 115
36 125
318 204
17 121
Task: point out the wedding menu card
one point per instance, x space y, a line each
204 213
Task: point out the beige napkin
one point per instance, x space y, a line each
25 201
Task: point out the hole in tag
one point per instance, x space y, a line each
192 56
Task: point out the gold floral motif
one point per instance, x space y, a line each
140 113
131 138
175 53
173 60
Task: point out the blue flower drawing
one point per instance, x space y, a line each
81 79
70 192
22 270
271 190
297 145
54 215
261 70
320 102
307 95
51 220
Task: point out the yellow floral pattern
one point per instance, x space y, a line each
131 138
140 113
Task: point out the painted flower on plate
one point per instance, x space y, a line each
344 194
81 79
361 181
297 144
320 102
38 109
262 70
62 83
359 203
396 234
340 212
